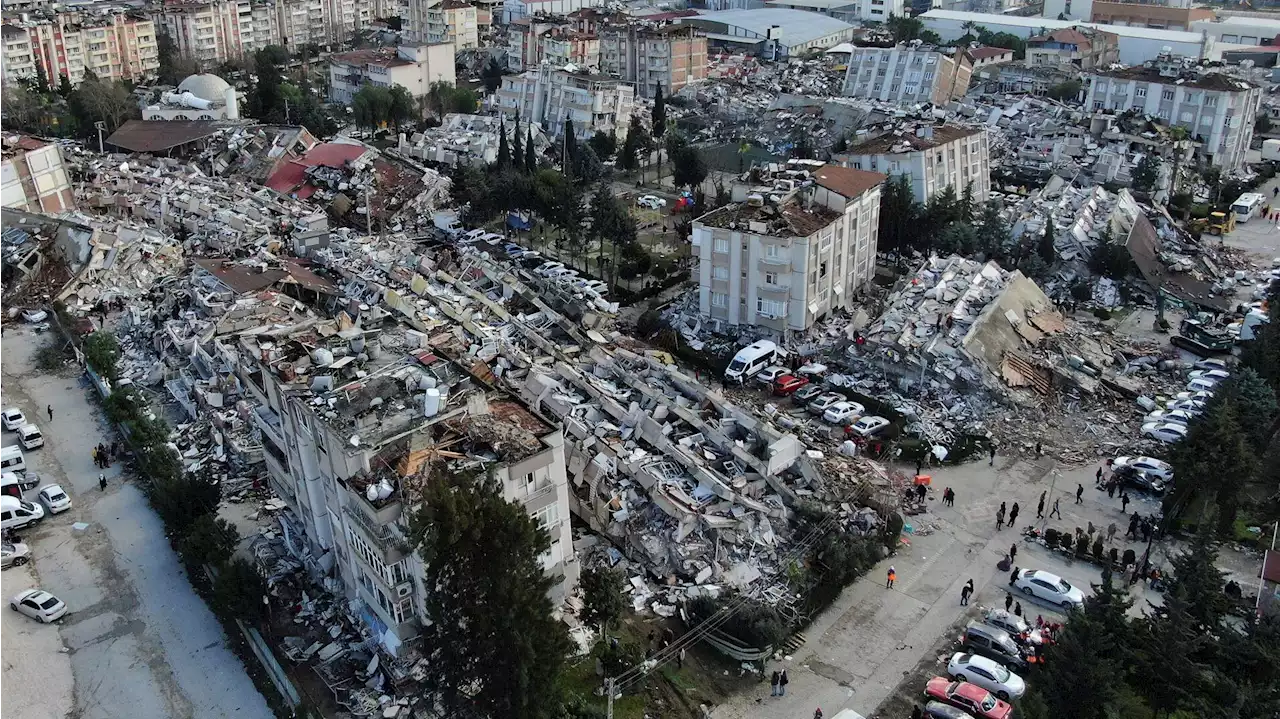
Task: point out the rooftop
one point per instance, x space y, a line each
1209 81
380 57
1037 24
796 26
785 219
906 139
160 135
983 53
847 181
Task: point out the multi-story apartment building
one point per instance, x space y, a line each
1074 48
114 44
671 56
414 68
34 177
516 9
210 32
351 456
524 41
213 31
932 158
906 75
549 96
786 257
1217 110
453 22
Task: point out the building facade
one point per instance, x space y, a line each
518 9
453 22
1217 110
672 56
198 97
414 68
1169 16
209 32
35 178
784 260
115 45
524 42
549 96
906 75
931 158
854 11
1077 48
213 31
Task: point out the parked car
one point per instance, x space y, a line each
806 394
1015 626
769 375
1211 363
843 412
13 418
513 250
493 238
17 513
822 403
1214 374
1202 384
970 697
1152 466
1049 587
1191 407
993 643
1176 416
938 710
1166 432
788 383
56 500
39 605
653 202
1201 397
869 426
29 436
14 554
986 673
546 268
1133 477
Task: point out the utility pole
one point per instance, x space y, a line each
101 126
608 686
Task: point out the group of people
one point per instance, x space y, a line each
102 455
779 683
1012 513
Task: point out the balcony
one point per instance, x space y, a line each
782 259
782 287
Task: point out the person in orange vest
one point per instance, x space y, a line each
892 576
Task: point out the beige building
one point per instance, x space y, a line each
561 46
1148 14
1073 49
932 158
414 68
34 176
213 31
114 45
786 257
906 75
672 56
453 22
549 96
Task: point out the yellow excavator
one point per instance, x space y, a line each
1217 223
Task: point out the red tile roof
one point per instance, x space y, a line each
847 181
291 177
982 53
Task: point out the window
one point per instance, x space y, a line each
1140 91
721 246
719 299
1097 104
530 481
771 308
547 517
1166 95
719 273
822 269
771 278
1210 100
772 251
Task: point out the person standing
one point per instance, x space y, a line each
49 409
1013 551
1055 508
992 463
775 681
1133 527
1008 601
965 591
1079 494
1097 478
782 683
1124 502
1017 609
916 713
1040 507
1111 532
893 576
1039 450
1000 517
1013 514
1111 489
102 482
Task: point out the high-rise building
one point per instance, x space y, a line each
115 45
453 22
932 158
549 96
905 75
414 68
670 56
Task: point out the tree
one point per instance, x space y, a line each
602 599
209 540
610 220
1044 248
1065 91
1146 173
401 106
504 152
1262 353
102 101
174 66
899 214
1081 672
517 150
443 98
239 590
995 241
966 207
102 352
1214 460
636 143
1197 579
182 499
492 75
841 145
688 167
659 123
604 144
958 238
1111 259
29 110
1167 674
64 86
530 155
904 29
1262 125
1253 398
495 648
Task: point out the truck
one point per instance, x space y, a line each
448 223
1271 150
1199 340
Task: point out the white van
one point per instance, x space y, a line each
30 437
750 360
1247 205
11 460
16 513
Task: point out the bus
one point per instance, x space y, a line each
1249 204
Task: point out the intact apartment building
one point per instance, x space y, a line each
1217 110
790 254
1073 49
518 9
932 158
548 96
114 44
414 68
670 56
907 75
34 176
432 22
213 31
350 455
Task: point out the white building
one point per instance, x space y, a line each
1217 110
432 22
549 96
786 261
771 31
907 75
414 68
853 11
932 159
34 176
213 31
113 44
517 9
198 97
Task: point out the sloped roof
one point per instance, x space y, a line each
847 181
160 135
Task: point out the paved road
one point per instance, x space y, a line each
141 642
858 651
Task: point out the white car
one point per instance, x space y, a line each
1202 384
13 418
653 202
492 238
1049 587
39 605
842 412
869 426
1166 432
29 436
1193 407
1152 466
986 673
1176 416
1211 363
14 554
34 316
823 403
546 268
472 235
769 375
1218 374
1194 396
52 496
596 287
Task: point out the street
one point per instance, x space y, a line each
140 641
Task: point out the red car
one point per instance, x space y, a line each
969 697
788 383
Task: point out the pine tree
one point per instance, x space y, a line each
1196 578
995 241
659 118
1168 675
504 152
530 155
1215 459
517 151
602 600
967 207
